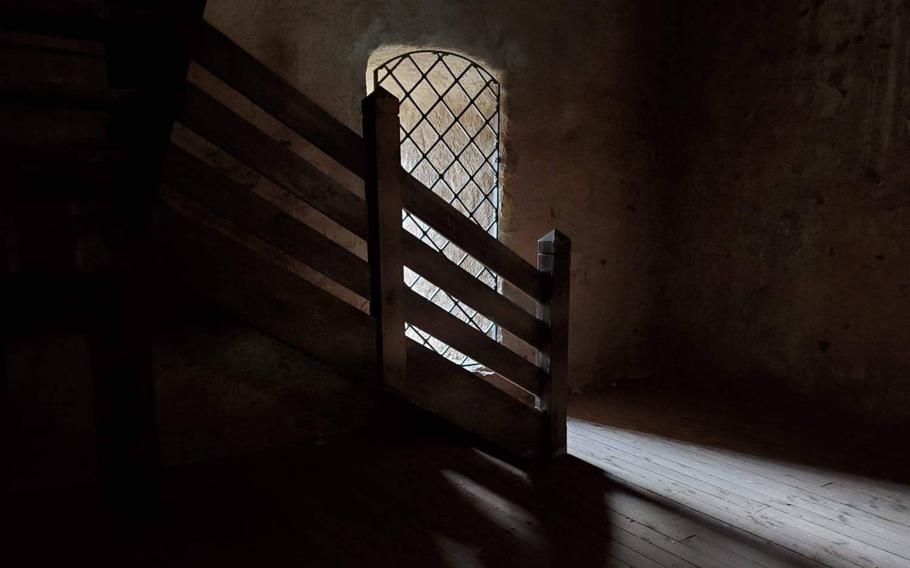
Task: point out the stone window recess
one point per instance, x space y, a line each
450 142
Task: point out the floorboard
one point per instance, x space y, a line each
820 498
651 480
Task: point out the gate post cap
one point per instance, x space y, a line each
554 242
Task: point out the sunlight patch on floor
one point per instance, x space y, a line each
807 512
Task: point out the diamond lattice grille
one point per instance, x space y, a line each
450 142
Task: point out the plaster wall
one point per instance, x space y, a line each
787 191
579 84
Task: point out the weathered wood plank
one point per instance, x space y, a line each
593 502
241 206
846 521
705 504
383 192
695 483
442 272
472 342
471 238
238 137
438 385
554 258
239 69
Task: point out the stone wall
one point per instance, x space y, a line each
784 147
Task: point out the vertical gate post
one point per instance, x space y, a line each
383 192
554 258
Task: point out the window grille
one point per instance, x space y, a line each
449 141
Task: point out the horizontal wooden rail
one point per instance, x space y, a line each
223 127
436 268
238 137
238 204
472 342
472 239
243 72
236 67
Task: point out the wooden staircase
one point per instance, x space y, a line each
237 249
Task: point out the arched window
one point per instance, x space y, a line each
450 142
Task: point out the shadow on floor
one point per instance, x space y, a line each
380 501
396 498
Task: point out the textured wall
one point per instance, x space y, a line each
785 149
579 81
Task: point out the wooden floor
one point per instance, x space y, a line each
651 481
742 485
